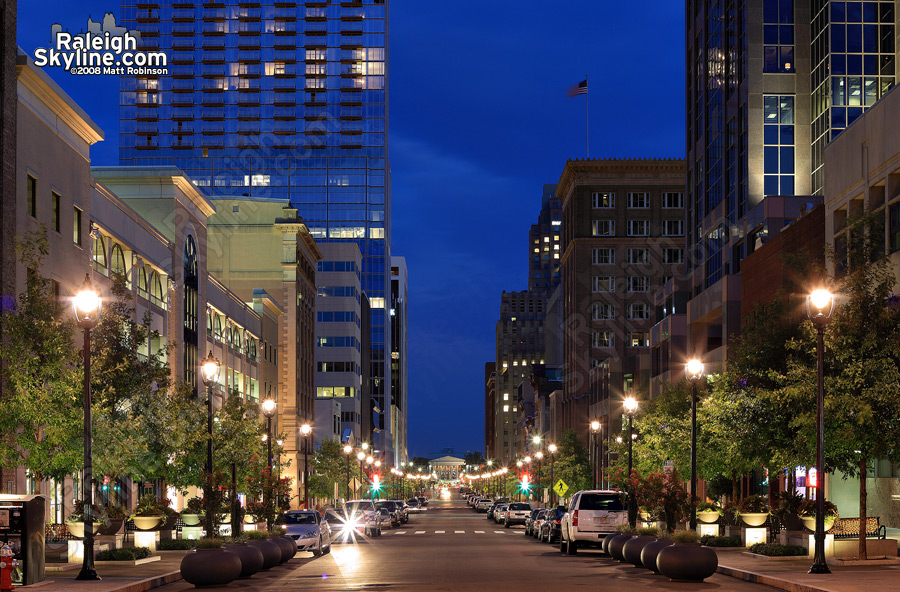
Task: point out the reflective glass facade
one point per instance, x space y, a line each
279 100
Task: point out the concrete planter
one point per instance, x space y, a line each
632 549
288 549
708 517
190 519
650 552
810 522
251 558
615 546
210 567
754 519
147 522
77 528
689 562
271 552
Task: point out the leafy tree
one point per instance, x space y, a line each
474 458
419 461
42 417
329 466
571 463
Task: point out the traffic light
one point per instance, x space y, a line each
524 482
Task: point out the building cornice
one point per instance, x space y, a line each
583 171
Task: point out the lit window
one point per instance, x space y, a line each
603 200
506 396
506 408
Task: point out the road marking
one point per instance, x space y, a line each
479 532
459 531
400 532
420 532
439 532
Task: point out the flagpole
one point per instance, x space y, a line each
587 123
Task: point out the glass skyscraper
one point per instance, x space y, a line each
276 100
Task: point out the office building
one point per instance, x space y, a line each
490 416
399 357
276 101
544 243
623 236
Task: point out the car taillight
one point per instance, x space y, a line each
575 518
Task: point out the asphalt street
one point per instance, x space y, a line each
450 547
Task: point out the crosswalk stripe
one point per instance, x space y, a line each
459 531
420 532
400 532
479 532
439 532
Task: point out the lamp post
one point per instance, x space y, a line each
348 450
538 456
268 408
87 305
305 431
369 460
209 371
631 406
694 370
490 483
361 456
552 450
819 306
595 430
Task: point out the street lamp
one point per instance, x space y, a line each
694 370
631 406
595 430
209 371
819 306
348 450
305 431
538 456
268 408
87 306
552 450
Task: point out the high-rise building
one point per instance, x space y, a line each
280 101
544 243
758 127
399 357
623 237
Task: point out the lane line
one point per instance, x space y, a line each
420 532
459 531
439 532
400 532
479 532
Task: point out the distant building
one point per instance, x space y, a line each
447 468
490 410
545 244
399 358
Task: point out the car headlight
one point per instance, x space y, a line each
309 535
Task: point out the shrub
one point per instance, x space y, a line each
808 509
776 550
124 554
720 541
754 504
235 540
624 529
708 507
648 531
99 513
256 535
176 544
116 512
210 543
148 505
277 531
193 506
685 536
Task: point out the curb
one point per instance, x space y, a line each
749 576
135 586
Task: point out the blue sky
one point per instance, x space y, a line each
479 121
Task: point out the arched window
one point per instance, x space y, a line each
218 328
209 322
252 348
142 285
99 253
190 257
157 296
117 261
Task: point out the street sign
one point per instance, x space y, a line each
561 488
668 466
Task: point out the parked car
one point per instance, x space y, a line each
516 513
491 510
499 512
337 522
423 501
403 509
550 527
412 505
309 530
362 516
537 522
483 504
392 510
591 515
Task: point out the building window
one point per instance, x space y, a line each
603 200
673 200
604 283
673 255
157 296
638 256
117 262
603 312
638 311
142 285
76 227
638 284
55 200
99 254
778 36
603 256
31 190
638 228
603 227
640 200
603 339
673 227
778 140
639 339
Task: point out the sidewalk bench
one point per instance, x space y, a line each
848 528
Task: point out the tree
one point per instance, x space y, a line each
42 419
571 463
474 458
329 466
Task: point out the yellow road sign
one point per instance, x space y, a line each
561 488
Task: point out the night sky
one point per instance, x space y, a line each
479 121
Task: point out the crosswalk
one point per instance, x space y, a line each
415 532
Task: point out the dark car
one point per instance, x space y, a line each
393 511
529 522
550 529
538 522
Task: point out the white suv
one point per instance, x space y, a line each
484 504
516 513
591 516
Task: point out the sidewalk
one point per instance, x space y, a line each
116 578
790 574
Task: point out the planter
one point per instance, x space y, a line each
690 562
77 528
708 516
645 516
270 551
605 542
249 519
631 550
810 522
146 522
112 527
293 544
190 519
754 519
169 521
210 567
288 550
251 558
614 547
651 551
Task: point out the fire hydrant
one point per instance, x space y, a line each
7 565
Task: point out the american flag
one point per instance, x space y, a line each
579 89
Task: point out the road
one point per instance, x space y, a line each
450 548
